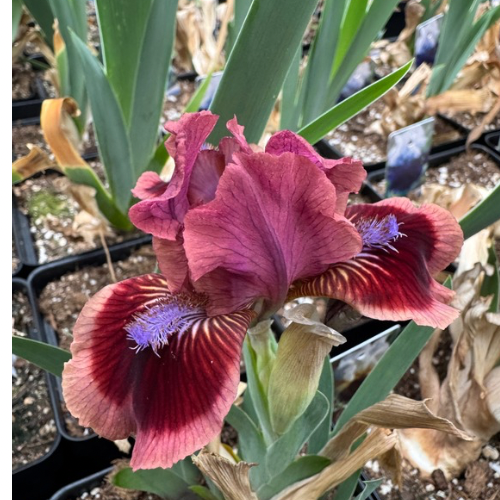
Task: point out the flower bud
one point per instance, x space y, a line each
263 343
297 369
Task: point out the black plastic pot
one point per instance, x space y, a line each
41 276
81 486
34 333
22 237
30 108
67 460
437 159
492 140
396 22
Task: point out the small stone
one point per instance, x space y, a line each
28 401
490 453
439 479
441 494
95 491
429 487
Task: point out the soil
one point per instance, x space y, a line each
481 479
473 167
33 426
32 134
179 95
23 77
52 215
79 286
470 121
351 139
106 491
15 259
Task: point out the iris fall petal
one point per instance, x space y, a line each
173 400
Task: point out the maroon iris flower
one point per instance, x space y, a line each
237 231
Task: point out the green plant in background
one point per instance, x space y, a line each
126 96
255 74
460 33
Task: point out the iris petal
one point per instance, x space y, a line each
392 280
174 400
273 221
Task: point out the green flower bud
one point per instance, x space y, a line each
297 369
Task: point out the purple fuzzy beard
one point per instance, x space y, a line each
154 326
379 233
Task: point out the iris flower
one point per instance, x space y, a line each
238 231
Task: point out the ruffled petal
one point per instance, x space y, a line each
174 400
392 279
206 174
149 185
272 221
173 263
346 174
162 216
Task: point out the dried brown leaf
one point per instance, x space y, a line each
35 161
232 479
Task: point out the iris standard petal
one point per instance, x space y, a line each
346 174
162 215
273 221
391 279
149 363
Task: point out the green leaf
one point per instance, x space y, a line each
345 490
110 130
47 357
259 63
123 25
285 449
203 492
195 102
483 214
388 371
241 8
354 15
251 446
315 88
17 11
72 21
302 468
322 434
370 487
290 105
257 394
151 79
44 17
343 111
491 284
104 201
162 482
375 18
458 38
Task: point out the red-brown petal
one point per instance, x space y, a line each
383 283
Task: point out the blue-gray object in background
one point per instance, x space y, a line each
212 89
362 76
407 157
426 40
